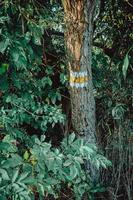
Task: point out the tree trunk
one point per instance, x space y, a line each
78 37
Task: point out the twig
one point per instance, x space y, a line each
129 3
26 110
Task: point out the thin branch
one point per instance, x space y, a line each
22 108
129 3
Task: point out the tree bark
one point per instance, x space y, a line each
78 37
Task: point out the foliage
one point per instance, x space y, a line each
113 93
29 100
113 24
113 80
32 78
44 169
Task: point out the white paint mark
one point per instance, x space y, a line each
78 74
79 85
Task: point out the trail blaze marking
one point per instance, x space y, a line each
78 79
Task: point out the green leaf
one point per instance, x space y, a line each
67 163
4 146
79 159
15 176
125 66
3 68
71 138
4 174
23 176
15 55
3 197
26 155
41 188
30 181
19 58
81 188
43 138
73 171
4 44
51 163
88 149
3 82
5 65
16 160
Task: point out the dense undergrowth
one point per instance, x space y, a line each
43 170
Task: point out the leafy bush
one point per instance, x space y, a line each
113 80
42 169
28 98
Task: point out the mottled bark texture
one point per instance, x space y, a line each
78 37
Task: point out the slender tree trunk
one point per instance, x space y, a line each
78 37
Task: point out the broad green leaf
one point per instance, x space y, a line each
51 163
30 181
4 174
67 163
23 176
88 150
71 138
15 175
5 65
43 138
3 68
4 146
15 55
73 171
4 44
125 66
16 160
41 188
79 159
26 155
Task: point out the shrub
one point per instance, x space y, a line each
42 169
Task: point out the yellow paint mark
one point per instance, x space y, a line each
81 79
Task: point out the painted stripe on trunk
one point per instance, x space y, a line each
79 79
78 74
79 85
